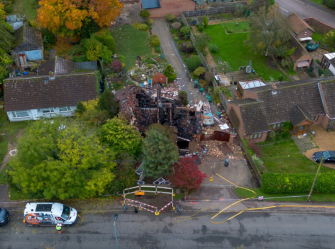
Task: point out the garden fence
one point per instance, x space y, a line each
223 100
249 159
219 9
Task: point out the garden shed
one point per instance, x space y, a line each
328 62
160 8
299 27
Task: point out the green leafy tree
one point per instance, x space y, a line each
182 95
201 42
330 39
159 151
144 13
121 137
105 37
269 32
170 73
61 159
193 62
80 108
205 21
329 3
95 50
199 71
256 5
108 102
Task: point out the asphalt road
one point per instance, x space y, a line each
304 10
146 231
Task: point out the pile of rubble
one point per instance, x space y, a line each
171 91
212 148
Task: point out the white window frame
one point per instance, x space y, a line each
68 109
47 110
14 113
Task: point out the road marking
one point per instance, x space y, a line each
283 9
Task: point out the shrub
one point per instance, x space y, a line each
32 23
176 25
213 48
284 63
271 136
105 37
329 3
154 40
158 50
48 37
205 21
170 17
140 26
116 66
200 27
199 71
209 76
109 42
185 30
187 47
170 73
193 62
317 61
182 95
144 13
149 22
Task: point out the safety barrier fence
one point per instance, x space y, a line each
160 210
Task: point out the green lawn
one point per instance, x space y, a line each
131 43
315 196
231 27
233 50
285 157
317 36
26 7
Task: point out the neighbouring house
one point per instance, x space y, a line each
247 84
303 103
28 46
328 62
32 97
301 30
160 8
300 56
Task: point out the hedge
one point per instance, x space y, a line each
276 183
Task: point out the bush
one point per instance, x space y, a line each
317 61
144 13
193 62
48 37
200 27
109 42
185 30
149 22
187 47
154 40
105 37
284 63
199 71
140 26
209 77
213 48
170 17
205 21
276 183
170 73
182 95
271 136
116 66
329 3
158 50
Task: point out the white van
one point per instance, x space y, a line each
49 213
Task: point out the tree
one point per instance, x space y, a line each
61 159
205 21
145 14
209 76
186 174
182 95
256 5
199 71
330 39
270 31
121 137
193 62
90 113
329 3
159 151
67 17
95 50
108 102
80 108
201 42
170 73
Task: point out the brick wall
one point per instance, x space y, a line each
240 129
257 140
249 95
319 26
305 33
171 7
323 121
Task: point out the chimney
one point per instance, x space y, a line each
274 89
52 75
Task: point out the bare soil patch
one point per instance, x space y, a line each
11 146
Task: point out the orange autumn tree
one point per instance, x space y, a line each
66 17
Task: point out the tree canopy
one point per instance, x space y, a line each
121 137
66 17
159 151
270 30
61 158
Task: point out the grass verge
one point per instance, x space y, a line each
131 43
285 157
233 50
26 7
242 193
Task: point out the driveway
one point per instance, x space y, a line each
324 141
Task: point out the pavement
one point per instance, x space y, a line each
304 143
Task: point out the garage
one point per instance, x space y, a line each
304 63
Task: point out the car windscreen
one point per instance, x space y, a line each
326 155
66 212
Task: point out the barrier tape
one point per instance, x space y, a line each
165 206
142 203
146 209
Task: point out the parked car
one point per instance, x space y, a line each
329 156
49 213
4 216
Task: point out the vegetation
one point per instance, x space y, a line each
199 71
61 159
145 14
95 50
186 175
67 17
193 62
159 151
127 45
205 21
187 47
88 111
201 42
107 102
170 73
155 41
182 95
105 37
170 17
241 27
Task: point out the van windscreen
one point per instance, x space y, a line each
66 212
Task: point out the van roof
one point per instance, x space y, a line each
54 208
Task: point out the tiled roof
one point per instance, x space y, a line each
27 39
57 65
297 24
299 51
298 115
34 92
328 91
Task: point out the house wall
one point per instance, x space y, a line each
257 140
171 7
249 95
30 55
323 121
305 33
240 130
302 58
319 26
35 114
